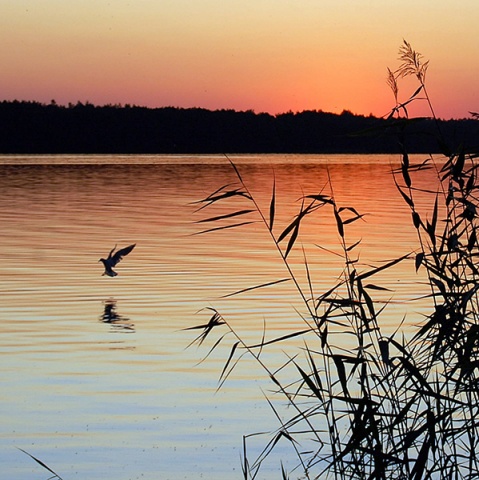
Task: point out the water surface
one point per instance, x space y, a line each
96 378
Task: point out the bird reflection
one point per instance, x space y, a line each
111 316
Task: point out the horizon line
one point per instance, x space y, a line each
127 105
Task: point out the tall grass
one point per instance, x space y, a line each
390 406
43 465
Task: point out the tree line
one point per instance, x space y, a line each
33 127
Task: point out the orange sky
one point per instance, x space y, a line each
265 55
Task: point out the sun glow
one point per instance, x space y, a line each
272 56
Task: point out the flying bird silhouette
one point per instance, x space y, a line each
114 258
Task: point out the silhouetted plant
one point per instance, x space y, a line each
391 406
43 465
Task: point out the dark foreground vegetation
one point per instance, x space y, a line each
363 404
31 127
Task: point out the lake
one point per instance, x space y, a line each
97 380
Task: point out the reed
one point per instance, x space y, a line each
390 406
43 465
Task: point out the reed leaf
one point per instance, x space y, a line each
211 195
471 181
377 287
357 401
417 92
42 464
415 372
311 385
314 369
338 361
402 415
216 320
418 260
472 241
237 192
417 472
272 206
235 168
431 428
350 209
323 199
281 339
287 230
342 302
458 166
324 337
292 239
225 368
387 265
400 347
274 379
405 171
294 225
224 227
263 285
416 220
369 303
212 349
351 247
245 464
339 223
384 350
226 216
407 199
412 435
431 227
308 276
352 219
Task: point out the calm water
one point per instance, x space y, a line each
124 399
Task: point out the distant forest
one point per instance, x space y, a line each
32 127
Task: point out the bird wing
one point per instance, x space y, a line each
111 252
120 254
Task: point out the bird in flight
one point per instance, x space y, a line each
114 258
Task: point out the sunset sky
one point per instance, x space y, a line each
265 55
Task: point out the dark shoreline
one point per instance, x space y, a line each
35 128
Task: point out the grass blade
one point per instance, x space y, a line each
224 227
280 339
232 352
216 320
292 239
391 263
46 467
272 206
339 223
338 361
406 198
309 382
275 282
224 217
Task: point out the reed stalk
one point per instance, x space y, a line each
391 406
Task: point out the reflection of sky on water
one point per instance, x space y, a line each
92 403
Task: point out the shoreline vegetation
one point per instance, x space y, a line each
83 128
362 404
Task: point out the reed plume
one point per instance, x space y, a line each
413 63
